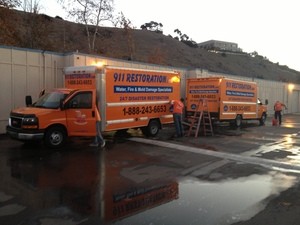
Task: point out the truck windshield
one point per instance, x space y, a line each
50 100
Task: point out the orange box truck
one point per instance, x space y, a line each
126 98
227 99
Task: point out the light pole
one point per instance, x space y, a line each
290 90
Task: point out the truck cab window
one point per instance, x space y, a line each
81 100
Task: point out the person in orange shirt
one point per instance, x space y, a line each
278 106
178 107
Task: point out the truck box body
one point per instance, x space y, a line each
227 99
126 98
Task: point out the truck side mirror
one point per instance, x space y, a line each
266 102
28 100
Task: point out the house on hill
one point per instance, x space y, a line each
220 45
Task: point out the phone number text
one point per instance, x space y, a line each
136 110
239 108
79 82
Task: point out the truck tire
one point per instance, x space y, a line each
238 121
262 120
55 137
152 129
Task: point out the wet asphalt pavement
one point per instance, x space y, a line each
240 176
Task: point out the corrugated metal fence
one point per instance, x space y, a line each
27 72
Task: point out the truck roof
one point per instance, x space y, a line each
63 90
81 69
219 78
96 69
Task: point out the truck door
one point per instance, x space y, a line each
80 114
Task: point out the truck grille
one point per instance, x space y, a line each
16 120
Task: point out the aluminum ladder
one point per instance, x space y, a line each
201 116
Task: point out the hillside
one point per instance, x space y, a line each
42 32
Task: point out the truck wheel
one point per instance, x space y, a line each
238 121
152 129
263 119
55 137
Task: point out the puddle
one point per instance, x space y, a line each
285 149
129 187
216 203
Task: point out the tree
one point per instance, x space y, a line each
31 6
254 54
177 31
153 26
181 36
91 13
185 39
123 22
10 3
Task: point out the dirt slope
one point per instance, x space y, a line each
54 34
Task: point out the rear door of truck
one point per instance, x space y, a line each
203 88
238 98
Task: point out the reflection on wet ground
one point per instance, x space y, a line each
222 202
231 200
284 149
127 186
134 183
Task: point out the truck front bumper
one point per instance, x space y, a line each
24 135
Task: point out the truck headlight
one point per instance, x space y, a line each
30 123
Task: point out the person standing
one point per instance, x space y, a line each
178 107
278 106
99 140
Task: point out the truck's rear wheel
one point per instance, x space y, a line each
238 121
55 137
152 129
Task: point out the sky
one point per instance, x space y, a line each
269 27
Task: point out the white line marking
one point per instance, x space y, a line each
273 164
